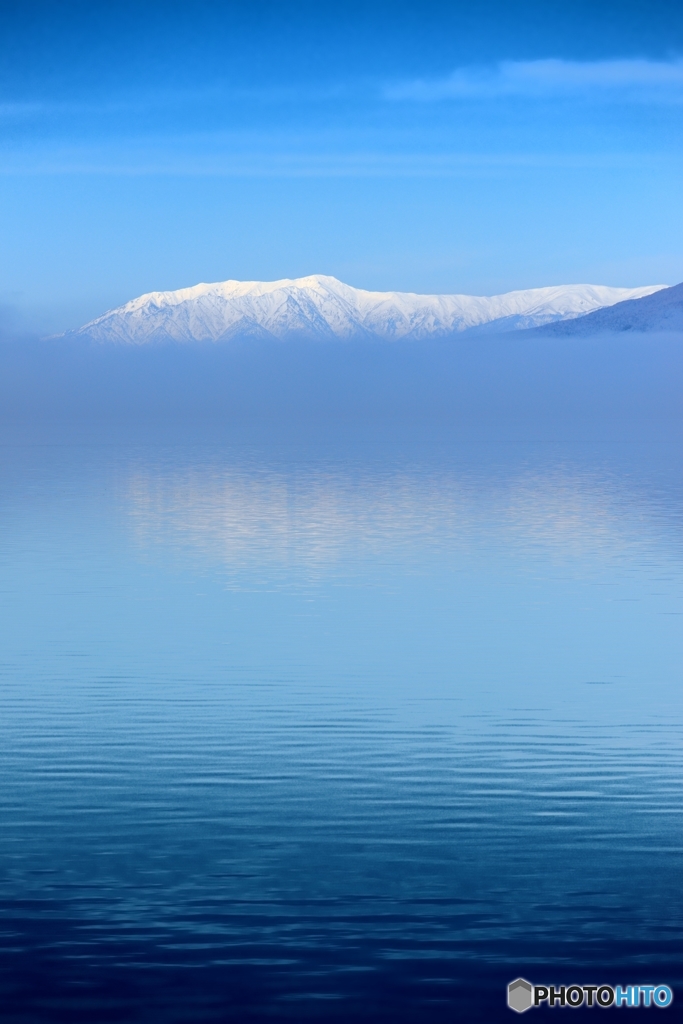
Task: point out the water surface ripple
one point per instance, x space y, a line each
291 734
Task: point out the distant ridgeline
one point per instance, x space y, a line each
325 308
660 311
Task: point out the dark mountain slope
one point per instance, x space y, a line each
662 311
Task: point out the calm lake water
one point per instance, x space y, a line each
338 733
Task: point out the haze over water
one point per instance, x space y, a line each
333 731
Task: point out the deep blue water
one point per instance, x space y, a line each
353 732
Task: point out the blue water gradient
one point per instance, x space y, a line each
324 733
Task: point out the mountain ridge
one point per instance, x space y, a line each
323 307
659 311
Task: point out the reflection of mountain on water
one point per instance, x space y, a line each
331 517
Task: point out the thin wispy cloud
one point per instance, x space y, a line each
179 101
648 80
187 157
630 80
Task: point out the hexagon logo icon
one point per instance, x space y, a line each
520 995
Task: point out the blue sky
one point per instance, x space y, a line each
427 147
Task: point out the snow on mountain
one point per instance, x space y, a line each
661 311
326 308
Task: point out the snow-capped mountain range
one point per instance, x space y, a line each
324 307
